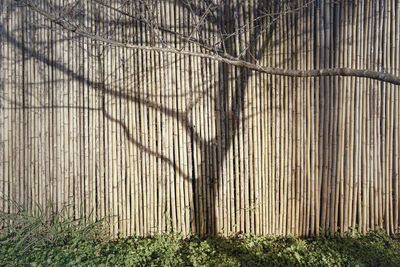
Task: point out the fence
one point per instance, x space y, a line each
161 141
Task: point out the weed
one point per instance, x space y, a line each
45 226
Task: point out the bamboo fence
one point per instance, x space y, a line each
159 142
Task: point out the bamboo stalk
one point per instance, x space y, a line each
245 110
127 134
197 147
302 95
28 68
358 130
136 133
255 117
390 53
396 69
355 118
317 121
369 214
279 142
189 109
334 128
201 150
114 128
310 132
274 188
17 193
162 169
292 134
212 156
298 140
159 175
349 144
262 135
323 122
7 122
262 150
385 140
184 138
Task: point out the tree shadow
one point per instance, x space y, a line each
207 174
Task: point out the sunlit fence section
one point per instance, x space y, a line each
156 141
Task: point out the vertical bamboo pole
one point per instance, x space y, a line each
334 104
323 122
236 194
175 185
127 132
271 128
250 88
3 104
189 140
185 176
133 125
197 153
141 131
6 64
379 161
387 169
392 169
158 172
245 110
237 85
124 130
261 89
302 121
101 121
21 92
355 118
162 172
228 148
47 136
210 125
273 192
364 125
340 194
228 85
307 128
310 130
251 85
17 146
298 132
259 121
372 109
198 172
317 120
92 115
28 68
201 150
358 117
279 142
58 121
396 114
291 131
170 216
112 109
349 144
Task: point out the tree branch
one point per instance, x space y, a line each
362 73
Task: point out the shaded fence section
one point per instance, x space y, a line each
157 142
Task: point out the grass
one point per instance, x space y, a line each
49 238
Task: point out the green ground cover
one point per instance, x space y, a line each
58 240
